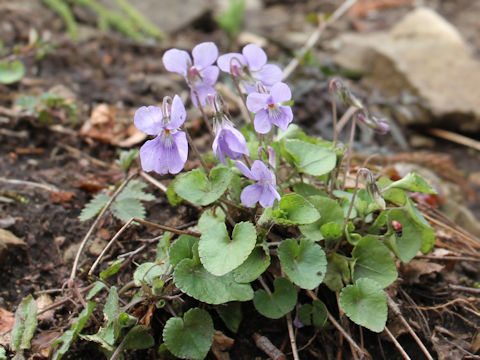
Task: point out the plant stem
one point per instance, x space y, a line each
204 115
195 150
349 151
334 112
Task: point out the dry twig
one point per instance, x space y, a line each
264 344
397 344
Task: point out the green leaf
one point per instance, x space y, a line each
126 157
305 263
95 289
148 272
194 280
426 231
331 230
181 249
310 158
232 18
112 269
125 209
173 198
338 272
134 190
138 337
373 261
279 303
11 71
255 265
294 209
3 353
329 211
220 254
231 314
409 242
25 324
365 304
94 207
69 336
313 314
394 195
195 187
209 219
378 224
190 337
413 182
306 190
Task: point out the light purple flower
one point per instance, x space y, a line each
168 152
201 75
269 110
250 67
264 190
228 142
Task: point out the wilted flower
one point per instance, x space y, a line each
250 67
201 75
264 190
380 127
168 152
269 110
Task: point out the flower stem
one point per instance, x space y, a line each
349 151
334 112
195 150
204 115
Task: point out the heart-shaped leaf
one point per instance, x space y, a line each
181 249
197 188
338 272
280 302
256 263
329 211
305 263
310 158
231 314
294 209
190 337
365 304
407 243
313 314
220 254
413 182
373 261
193 279
11 71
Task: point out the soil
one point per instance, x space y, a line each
110 69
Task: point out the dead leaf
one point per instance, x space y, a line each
476 343
221 343
7 319
416 268
58 197
44 301
42 342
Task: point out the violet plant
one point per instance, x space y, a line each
279 217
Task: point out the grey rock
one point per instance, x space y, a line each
424 55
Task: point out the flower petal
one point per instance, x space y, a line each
178 154
255 56
178 115
210 75
203 92
204 54
235 141
177 61
148 119
261 123
244 170
224 61
150 153
268 196
251 194
260 171
269 75
257 102
280 92
284 117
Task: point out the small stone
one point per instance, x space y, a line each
70 253
97 246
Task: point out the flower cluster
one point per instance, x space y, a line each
267 99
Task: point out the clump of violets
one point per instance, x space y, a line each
200 75
250 67
264 190
168 152
228 142
269 109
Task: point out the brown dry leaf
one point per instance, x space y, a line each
42 302
58 197
131 136
145 320
7 319
476 343
221 343
42 342
362 7
416 268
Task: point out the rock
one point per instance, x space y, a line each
172 15
426 56
97 246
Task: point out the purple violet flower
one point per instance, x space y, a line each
201 75
250 67
168 152
264 190
269 110
228 141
